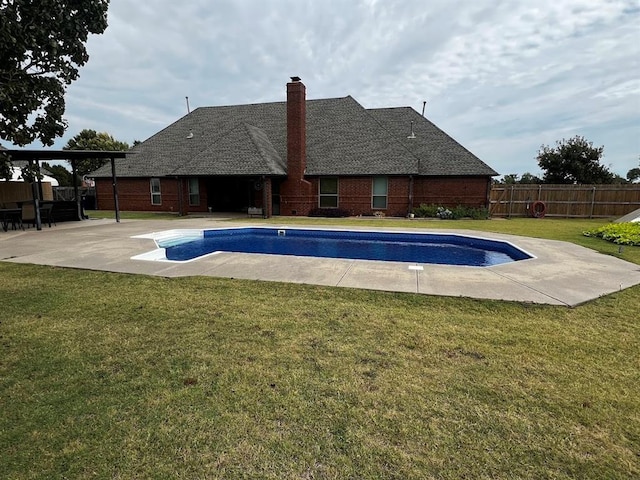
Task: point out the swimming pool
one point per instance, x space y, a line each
413 247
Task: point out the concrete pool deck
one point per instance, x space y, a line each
561 274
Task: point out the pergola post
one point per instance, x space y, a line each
36 195
74 173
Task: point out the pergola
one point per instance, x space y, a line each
37 156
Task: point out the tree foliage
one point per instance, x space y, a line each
573 161
633 175
61 174
92 140
42 45
514 178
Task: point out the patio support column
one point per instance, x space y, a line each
36 197
115 189
74 173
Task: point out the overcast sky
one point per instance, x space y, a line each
501 77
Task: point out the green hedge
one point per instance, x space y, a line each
621 233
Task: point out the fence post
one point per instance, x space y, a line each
593 201
510 202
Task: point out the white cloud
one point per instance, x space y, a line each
500 77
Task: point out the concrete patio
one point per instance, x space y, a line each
561 274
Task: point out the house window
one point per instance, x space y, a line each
156 197
194 191
328 192
380 191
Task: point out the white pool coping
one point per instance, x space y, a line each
184 235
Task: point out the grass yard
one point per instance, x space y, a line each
118 376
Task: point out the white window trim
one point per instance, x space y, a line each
374 195
193 194
323 195
157 194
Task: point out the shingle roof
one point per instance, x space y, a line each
439 154
242 150
25 163
343 138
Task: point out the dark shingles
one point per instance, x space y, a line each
439 154
243 150
343 138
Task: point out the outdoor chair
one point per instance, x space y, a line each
46 214
11 214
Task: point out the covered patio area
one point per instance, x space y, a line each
35 157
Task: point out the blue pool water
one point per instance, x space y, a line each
385 246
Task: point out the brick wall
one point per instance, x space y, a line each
452 191
299 197
135 194
355 195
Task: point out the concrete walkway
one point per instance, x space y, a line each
561 274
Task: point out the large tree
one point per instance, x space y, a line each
42 45
633 175
512 178
61 174
573 161
92 140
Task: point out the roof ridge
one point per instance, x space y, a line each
279 102
252 130
388 132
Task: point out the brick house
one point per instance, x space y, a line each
289 158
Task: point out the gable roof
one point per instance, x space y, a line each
343 138
242 150
439 154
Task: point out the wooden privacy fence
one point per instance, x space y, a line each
12 192
568 201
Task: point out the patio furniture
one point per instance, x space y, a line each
11 216
46 213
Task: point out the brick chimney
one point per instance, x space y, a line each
296 129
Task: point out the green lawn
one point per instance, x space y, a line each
122 376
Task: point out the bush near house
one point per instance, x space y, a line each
444 213
627 233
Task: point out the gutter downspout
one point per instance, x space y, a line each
265 206
410 194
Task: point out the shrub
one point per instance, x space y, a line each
444 213
425 211
461 211
627 233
